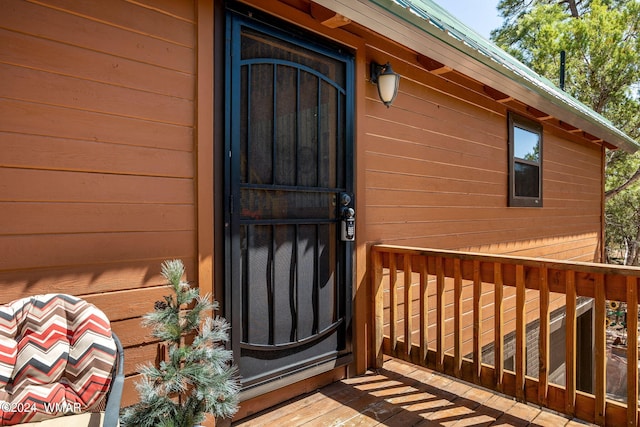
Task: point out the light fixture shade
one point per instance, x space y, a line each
387 82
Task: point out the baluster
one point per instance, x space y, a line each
408 298
440 315
424 311
543 338
393 302
477 322
457 316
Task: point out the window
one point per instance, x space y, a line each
525 162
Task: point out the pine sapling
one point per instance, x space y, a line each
197 377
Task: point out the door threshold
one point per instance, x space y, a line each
294 377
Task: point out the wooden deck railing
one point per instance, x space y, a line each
434 307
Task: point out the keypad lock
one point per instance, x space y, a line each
348 223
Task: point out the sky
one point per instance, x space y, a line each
481 15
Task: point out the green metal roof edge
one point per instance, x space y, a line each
434 20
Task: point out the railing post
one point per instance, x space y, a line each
600 342
632 351
378 307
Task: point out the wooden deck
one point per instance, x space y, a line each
401 394
446 310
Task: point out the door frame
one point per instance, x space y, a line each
274 27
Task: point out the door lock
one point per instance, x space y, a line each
348 222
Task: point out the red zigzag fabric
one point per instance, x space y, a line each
56 356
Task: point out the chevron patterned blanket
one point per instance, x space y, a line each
56 358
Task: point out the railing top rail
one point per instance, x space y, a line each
586 267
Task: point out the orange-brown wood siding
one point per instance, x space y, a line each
436 176
97 160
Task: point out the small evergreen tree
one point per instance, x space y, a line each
198 377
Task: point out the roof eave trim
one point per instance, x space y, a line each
490 67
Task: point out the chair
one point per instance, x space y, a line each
60 363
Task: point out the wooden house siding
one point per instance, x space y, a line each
97 162
436 176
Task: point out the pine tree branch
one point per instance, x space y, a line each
573 7
611 193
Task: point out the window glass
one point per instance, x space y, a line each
526 144
526 180
525 162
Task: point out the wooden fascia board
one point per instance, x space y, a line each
327 17
309 20
496 94
432 65
336 21
539 115
461 57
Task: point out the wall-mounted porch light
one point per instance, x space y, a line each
387 82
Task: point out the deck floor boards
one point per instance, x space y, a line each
402 395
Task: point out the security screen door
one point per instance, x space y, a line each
289 167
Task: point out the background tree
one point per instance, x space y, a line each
601 39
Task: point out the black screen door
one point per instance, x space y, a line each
290 162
